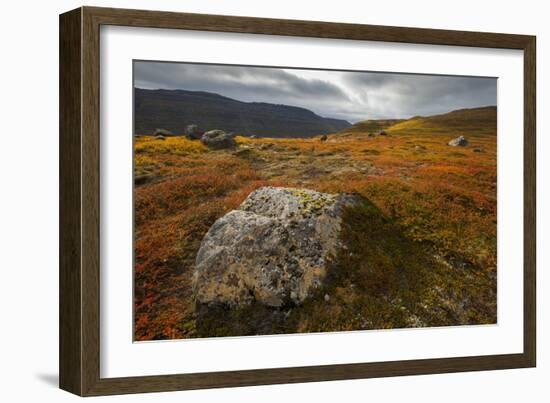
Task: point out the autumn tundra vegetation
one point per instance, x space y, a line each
418 244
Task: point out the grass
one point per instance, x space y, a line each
421 248
170 145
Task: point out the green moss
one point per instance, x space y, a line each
188 326
381 279
312 204
384 279
247 320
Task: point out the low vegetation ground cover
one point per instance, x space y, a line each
427 251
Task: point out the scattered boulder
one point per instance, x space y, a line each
382 133
419 147
218 139
478 150
162 132
273 250
193 132
324 137
458 142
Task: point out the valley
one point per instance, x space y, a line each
420 252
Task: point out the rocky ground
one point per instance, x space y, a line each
419 249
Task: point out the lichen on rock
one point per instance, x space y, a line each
273 250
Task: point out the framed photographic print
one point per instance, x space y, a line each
250 201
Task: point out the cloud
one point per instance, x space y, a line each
352 96
405 95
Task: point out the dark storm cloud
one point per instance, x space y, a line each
352 96
405 95
251 84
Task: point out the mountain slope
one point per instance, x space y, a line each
371 125
476 121
472 121
175 109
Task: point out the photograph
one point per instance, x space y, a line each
275 200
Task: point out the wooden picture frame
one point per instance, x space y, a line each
79 347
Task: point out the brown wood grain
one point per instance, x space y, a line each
90 202
530 202
80 201
70 274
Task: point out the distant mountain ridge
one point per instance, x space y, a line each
175 109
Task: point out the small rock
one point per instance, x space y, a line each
252 137
458 142
160 137
382 133
478 150
371 134
327 298
218 139
324 137
419 148
141 179
162 132
193 132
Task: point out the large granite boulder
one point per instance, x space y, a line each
218 139
273 250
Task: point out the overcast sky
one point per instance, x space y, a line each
353 96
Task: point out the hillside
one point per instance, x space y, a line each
467 122
371 125
474 121
175 109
